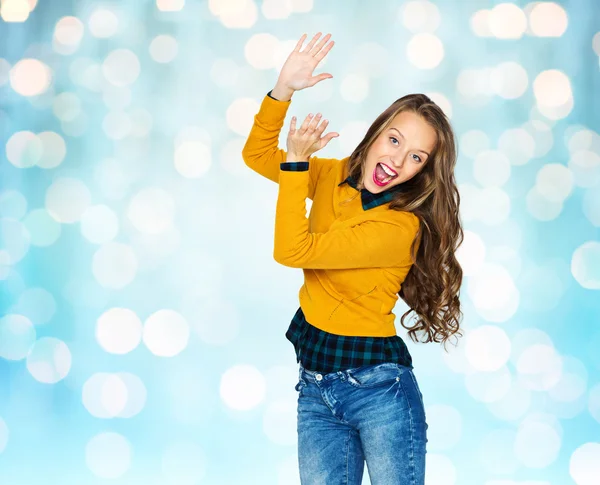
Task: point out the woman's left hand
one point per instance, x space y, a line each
306 140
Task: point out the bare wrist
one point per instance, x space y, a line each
282 93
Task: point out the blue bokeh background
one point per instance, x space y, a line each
142 316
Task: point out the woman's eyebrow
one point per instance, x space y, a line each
422 151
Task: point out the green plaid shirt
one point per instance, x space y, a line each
327 352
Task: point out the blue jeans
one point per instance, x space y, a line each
373 413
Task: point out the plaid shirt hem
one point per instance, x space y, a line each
327 352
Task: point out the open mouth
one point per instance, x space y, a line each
383 175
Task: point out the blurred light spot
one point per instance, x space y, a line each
471 253
473 142
517 145
552 88
4 71
275 9
114 265
260 50
591 206
542 136
76 127
192 159
170 5
223 72
475 83
596 43
17 335
43 229
368 57
420 16
68 33
496 452
166 333
24 149
494 294
489 386
116 98
509 80
99 224
108 455
119 330
480 23
354 88
585 265
37 304
49 360
14 240
151 210
539 367
234 14
104 395
445 427
584 166
54 149
491 168
163 48
13 204
584 465
425 51
572 383
440 470
184 463
30 77
548 19
116 125
110 176
507 21
541 287
513 405
136 395
537 444
103 23
540 207
14 10
287 471
279 422
456 359
487 348
554 182
242 387
67 199
121 67
141 122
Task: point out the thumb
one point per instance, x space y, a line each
327 138
321 77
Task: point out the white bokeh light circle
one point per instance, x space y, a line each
489 386
49 360
37 304
193 159
136 394
103 23
108 455
493 293
471 253
43 229
163 48
552 88
445 427
119 330
54 149
491 168
166 333
279 421
121 67
440 470
584 465
513 405
507 21
425 51
487 348
24 149
67 199
496 452
539 367
517 145
30 77
17 335
537 444
585 265
554 182
114 265
99 224
242 387
104 395
151 210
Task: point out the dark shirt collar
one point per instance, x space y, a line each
370 200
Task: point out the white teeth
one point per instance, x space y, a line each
387 170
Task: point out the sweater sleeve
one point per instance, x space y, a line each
382 241
261 152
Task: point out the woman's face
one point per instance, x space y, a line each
404 148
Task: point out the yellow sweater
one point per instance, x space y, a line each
354 260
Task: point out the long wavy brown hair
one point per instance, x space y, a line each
431 288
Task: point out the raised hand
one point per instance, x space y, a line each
297 71
304 141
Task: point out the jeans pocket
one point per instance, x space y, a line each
370 376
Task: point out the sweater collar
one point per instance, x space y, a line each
370 200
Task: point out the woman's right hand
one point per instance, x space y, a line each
296 73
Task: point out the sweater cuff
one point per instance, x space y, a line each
294 166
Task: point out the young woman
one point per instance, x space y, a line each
384 222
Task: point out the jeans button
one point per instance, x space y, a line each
319 377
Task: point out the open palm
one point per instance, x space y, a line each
297 71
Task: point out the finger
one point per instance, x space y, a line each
324 52
299 44
305 124
314 122
321 128
293 125
312 42
320 45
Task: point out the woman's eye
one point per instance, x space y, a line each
419 158
392 138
